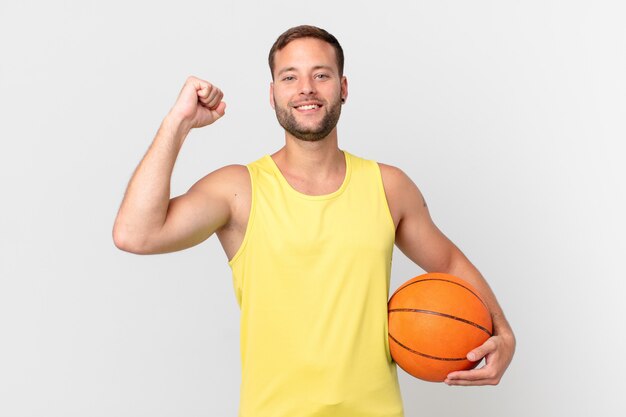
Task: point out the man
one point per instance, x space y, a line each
309 234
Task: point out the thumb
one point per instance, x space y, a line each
481 351
220 109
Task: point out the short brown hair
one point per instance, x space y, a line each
306 31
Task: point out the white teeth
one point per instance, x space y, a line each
308 107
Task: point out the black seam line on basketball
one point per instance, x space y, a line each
437 358
444 280
436 313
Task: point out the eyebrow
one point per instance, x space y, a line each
314 68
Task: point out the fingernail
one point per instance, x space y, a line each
471 357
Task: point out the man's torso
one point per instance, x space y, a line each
231 235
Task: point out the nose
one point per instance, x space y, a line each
306 86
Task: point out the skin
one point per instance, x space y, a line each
149 222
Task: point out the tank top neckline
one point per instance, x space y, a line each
297 193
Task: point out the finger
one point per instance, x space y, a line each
484 376
465 383
486 372
483 350
204 91
215 99
213 92
211 99
220 109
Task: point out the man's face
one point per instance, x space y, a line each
307 89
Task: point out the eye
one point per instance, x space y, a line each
322 76
289 78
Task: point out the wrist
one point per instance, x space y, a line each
506 334
501 327
177 123
176 126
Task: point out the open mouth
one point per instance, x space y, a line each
308 107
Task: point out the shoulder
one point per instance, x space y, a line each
397 184
402 193
228 173
394 178
234 173
226 181
231 186
392 175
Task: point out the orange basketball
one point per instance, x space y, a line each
435 320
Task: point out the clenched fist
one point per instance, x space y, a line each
199 103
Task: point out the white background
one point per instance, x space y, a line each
509 115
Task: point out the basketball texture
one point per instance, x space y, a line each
435 320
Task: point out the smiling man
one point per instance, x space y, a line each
319 101
309 233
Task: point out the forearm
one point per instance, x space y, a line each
144 207
499 349
461 267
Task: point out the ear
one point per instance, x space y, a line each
344 88
272 95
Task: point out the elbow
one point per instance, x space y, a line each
123 242
120 241
456 263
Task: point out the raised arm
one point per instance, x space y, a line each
148 221
422 242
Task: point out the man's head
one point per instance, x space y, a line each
306 31
308 85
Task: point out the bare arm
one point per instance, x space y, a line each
422 242
147 221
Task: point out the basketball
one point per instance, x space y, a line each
435 320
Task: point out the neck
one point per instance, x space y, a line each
314 160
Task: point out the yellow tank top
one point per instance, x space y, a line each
312 281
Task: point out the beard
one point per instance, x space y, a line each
287 120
